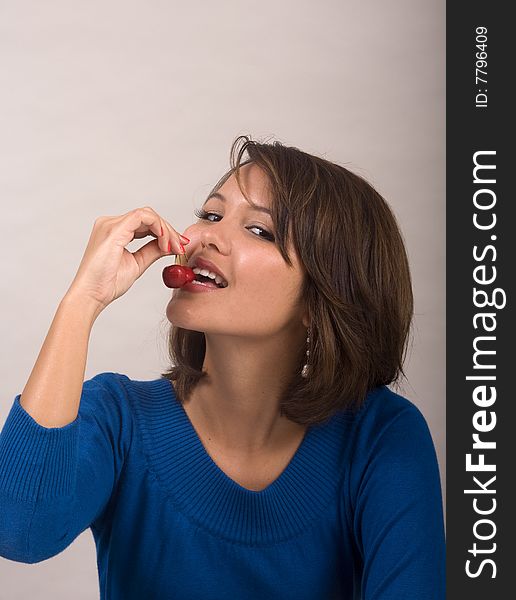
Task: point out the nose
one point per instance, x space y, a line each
214 236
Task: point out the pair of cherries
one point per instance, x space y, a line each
176 276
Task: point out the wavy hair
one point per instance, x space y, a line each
357 286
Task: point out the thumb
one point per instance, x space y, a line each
149 254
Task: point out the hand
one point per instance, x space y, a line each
107 269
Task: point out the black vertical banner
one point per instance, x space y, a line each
481 256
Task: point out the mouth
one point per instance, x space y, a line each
208 273
208 278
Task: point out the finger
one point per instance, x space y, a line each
153 226
147 255
140 223
162 237
169 240
178 241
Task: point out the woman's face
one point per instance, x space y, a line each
263 293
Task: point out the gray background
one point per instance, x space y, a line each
108 106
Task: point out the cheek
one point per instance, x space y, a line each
269 286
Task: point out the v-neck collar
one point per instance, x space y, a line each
202 491
188 423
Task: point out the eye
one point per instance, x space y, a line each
202 214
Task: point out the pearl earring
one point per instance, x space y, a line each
304 372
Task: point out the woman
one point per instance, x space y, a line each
271 461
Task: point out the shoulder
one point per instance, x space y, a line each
107 381
109 395
105 387
117 395
115 404
384 411
392 440
117 385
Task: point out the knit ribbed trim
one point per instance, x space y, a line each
41 460
214 501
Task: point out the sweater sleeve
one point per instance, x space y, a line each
398 517
55 482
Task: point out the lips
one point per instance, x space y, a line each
203 263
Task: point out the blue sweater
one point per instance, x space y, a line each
356 514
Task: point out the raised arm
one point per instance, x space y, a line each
63 444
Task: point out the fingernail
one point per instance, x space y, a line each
169 246
182 248
162 231
186 240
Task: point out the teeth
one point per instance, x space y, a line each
218 279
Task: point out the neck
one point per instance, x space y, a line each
238 406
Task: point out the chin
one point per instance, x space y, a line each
184 317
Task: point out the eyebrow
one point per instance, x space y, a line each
223 198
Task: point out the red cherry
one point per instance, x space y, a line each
176 276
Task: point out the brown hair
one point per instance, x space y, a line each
357 285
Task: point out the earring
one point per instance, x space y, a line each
304 372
